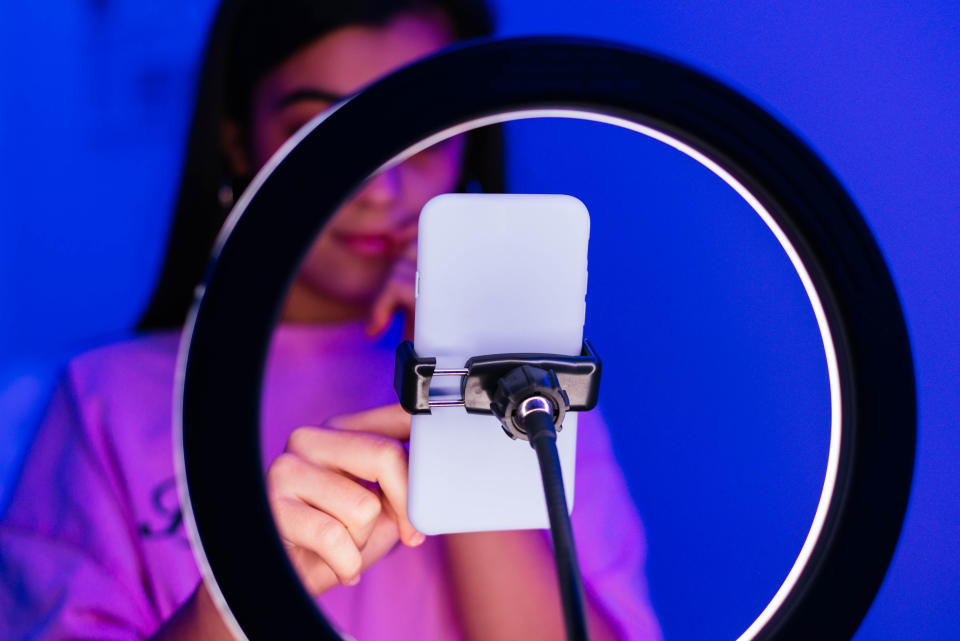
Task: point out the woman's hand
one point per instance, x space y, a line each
397 293
339 495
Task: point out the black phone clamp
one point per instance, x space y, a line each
499 384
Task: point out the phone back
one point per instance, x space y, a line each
496 273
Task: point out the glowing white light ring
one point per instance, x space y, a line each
833 458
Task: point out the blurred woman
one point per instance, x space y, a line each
93 545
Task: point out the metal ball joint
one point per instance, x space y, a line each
531 405
526 390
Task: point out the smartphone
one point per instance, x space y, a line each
496 273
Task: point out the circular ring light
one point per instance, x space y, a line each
873 405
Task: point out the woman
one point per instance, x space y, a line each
93 544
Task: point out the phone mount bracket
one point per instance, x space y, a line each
573 382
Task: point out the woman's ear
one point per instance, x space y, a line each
234 149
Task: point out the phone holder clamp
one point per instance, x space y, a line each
499 383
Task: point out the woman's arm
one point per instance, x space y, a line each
70 567
197 620
506 588
504 582
332 525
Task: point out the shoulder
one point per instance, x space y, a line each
122 394
124 365
108 419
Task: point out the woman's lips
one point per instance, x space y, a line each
368 244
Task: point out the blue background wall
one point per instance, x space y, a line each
725 441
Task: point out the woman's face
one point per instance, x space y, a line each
350 260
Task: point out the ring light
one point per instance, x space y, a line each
873 406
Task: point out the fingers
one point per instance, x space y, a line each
334 526
304 527
405 238
324 544
356 507
384 536
397 295
317 576
388 420
367 456
398 290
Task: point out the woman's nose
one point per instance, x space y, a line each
382 189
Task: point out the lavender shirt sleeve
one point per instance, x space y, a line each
70 567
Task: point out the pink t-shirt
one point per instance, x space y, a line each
93 546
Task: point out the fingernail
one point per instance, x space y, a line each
417 539
355 580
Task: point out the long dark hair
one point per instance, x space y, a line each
248 39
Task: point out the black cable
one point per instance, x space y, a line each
543 439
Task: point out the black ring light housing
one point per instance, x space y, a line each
225 343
